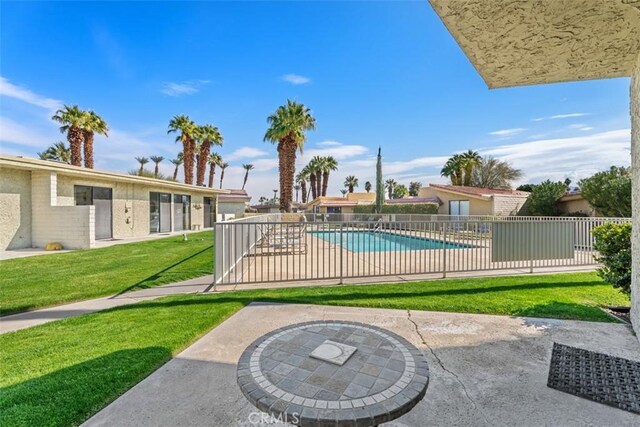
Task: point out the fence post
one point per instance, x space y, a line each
341 252
215 266
444 252
531 233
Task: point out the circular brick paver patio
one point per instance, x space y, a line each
333 372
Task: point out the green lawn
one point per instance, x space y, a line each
41 281
63 372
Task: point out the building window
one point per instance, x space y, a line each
101 198
209 212
159 212
181 212
458 207
334 209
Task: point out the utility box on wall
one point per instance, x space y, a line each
535 240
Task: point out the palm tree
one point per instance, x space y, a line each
314 169
188 131
275 194
330 164
177 162
470 160
58 151
453 169
297 189
350 182
414 188
156 160
344 192
143 161
93 124
72 120
223 166
390 184
247 167
302 178
208 135
493 173
214 160
287 127
367 186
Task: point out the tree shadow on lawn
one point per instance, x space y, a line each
69 396
408 299
148 282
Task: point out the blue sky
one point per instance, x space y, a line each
374 74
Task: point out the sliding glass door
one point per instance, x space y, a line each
181 212
159 212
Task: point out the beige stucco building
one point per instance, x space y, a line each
46 201
345 205
461 200
574 203
519 43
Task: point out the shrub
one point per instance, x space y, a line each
609 192
543 198
409 208
613 242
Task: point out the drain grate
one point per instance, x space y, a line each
606 379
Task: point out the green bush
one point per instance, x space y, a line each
412 208
613 242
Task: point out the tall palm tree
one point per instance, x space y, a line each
454 169
156 160
367 186
177 162
188 130
143 161
390 184
208 135
493 173
314 167
58 151
297 189
301 179
72 119
470 159
350 182
223 166
214 160
93 124
287 127
330 164
247 167
344 192
320 164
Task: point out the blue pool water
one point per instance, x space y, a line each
382 241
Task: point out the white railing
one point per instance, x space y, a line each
305 247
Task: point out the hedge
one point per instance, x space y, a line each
409 208
613 242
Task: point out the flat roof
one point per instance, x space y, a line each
514 43
478 191
27 163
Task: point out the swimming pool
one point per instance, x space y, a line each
382 241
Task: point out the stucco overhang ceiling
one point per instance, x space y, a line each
525 42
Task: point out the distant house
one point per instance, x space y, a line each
461 200
574 203
234 203
329 204
46 201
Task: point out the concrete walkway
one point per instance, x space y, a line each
37 317
484 370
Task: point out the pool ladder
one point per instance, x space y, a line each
378 227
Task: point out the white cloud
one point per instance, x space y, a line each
245 153
183 88
560 116
296 79
332 148
580 126
10 90
507 132
12 132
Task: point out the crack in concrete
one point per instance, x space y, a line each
453 374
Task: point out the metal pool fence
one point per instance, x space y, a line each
306 247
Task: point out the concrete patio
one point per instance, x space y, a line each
485 370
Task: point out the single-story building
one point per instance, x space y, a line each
46 201
265 208
574 203
232 204
330 204
461 200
